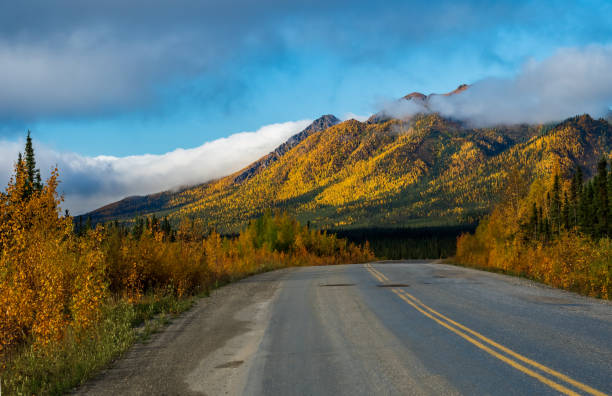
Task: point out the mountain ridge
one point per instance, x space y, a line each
317 125
427 170
141 204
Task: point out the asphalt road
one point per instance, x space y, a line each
381 328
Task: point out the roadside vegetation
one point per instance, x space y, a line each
556 231
408 243
72 299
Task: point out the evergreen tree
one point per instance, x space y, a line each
589 220
33 180
138 228
583 209
565 212
533 220
154 224
541 221
601 204
165 226
610 200
546 229
555 205
575 191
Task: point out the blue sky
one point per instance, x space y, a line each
177 74
117 78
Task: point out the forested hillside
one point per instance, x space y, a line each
555 230
426 171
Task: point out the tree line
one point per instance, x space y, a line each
556 230
583 206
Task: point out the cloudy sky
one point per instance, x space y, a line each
131 97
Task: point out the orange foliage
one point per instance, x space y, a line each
49 279
53 281
570 261
190 265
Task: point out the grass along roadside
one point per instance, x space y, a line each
63 365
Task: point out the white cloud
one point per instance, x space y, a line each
84 72
570 82
349 116
90 182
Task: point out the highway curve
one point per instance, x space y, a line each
399 328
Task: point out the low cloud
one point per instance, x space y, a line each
353 116
570 82
90 182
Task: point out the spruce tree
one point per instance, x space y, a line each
154 224
591 209
533 221
555 205
601 204
583 208
575 195
610 200
34 183
541 220
138 228
546 229
165 226
20 166
565 212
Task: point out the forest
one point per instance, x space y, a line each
74 298
556 230
428 171
408 243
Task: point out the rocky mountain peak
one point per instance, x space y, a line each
320 124
415 96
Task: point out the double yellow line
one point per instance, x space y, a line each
493 348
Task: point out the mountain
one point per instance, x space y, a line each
135 205
417 97
317 125
423 171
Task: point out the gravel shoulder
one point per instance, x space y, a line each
206 350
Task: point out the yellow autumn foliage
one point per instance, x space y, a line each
49 279
569 260
53 281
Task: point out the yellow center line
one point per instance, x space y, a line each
371 271
518 366
446 322
377 274
510 352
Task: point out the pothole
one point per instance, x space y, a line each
393 285
232 364
337 284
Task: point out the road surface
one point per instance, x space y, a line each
401 328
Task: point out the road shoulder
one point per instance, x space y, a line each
206 350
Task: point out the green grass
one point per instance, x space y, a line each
59 367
